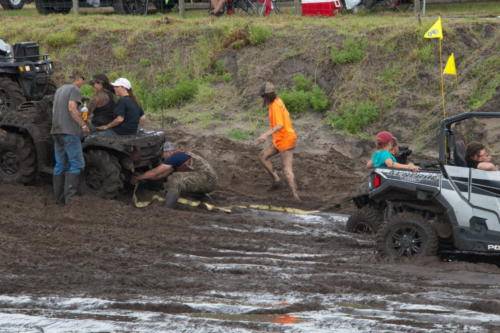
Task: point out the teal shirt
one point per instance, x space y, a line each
380 156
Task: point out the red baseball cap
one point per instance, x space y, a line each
385 137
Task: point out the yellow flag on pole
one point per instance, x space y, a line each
436 31
450 68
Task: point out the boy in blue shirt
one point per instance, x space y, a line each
383 157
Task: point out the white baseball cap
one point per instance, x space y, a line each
122 82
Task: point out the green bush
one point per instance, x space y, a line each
120 52
487 74
62 38
87 91
258 34
352 51
426 53
354 117
305 95
181 93
144 62
296 101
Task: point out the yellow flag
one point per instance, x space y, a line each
436 31
450 68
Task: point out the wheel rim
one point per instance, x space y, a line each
9 164
136 7
15 2
407 241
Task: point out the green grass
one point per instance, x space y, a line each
352 51
354 117
259 34
238 134
487 74
62 38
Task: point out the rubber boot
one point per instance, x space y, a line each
58 186
71 186
171 199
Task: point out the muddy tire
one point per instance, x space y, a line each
103 174
17 159
407 235
11 95
134 7
367 220
12 4
45 7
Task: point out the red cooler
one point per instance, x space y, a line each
320 7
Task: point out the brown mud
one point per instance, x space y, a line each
109 249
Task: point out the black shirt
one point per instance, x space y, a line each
131 113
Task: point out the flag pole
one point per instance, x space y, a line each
442 75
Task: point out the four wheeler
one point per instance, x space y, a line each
451 207
13 4
24 75
137 7
26 151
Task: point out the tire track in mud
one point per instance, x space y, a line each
193 271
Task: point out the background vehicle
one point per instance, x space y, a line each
451 207
138 7
24 75
26 151
13 4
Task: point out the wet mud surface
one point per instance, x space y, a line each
104 266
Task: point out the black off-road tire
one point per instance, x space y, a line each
103 173
11 95
162 7
366 220
134 7
17 158
12 4
407 235
45 7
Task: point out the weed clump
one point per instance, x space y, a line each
120 53
352 51
239 134
258 34
488 74
355 116
304 96
62 38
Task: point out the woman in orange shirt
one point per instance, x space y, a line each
283 135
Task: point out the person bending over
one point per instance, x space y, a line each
383 157
478 157
185 172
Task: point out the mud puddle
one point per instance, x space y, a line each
235 312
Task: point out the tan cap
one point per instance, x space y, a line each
267 88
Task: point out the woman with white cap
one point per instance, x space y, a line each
128 112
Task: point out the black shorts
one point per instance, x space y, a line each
177 160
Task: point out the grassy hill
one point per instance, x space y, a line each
343 78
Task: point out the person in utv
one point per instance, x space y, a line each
384 156
478 157
102 104
68 127
185 172
128 113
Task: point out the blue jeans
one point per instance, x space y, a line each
68 154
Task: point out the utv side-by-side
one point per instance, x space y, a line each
450 207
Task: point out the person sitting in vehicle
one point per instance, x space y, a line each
186 172
101 106
129 115
384 156
478 157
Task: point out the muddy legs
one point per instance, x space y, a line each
287 160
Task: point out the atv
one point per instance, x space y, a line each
24 75
135 7
449 207
13 4
26 151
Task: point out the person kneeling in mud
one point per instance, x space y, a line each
384 156
185 172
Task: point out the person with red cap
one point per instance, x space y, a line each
383 157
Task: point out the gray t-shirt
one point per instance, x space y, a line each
62 123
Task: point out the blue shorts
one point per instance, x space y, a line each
177 159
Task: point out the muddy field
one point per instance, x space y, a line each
104 266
